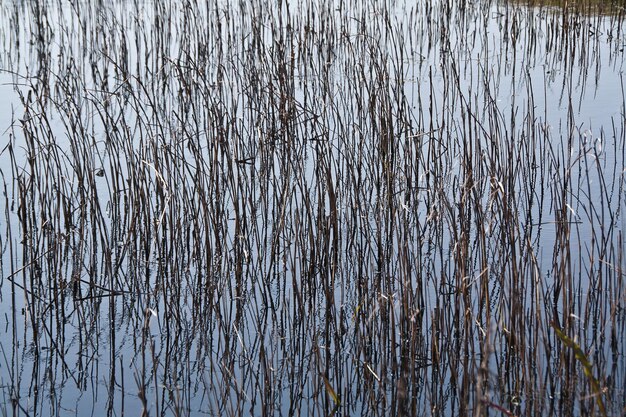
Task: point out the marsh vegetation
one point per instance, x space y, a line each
312 208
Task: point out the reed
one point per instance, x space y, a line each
313 208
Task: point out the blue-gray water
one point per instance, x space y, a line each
272 208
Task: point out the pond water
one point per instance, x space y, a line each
312 208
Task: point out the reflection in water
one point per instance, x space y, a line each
311 208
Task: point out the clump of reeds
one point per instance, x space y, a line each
313 208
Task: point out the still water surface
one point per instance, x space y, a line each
311 208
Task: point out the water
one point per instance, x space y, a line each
310 208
